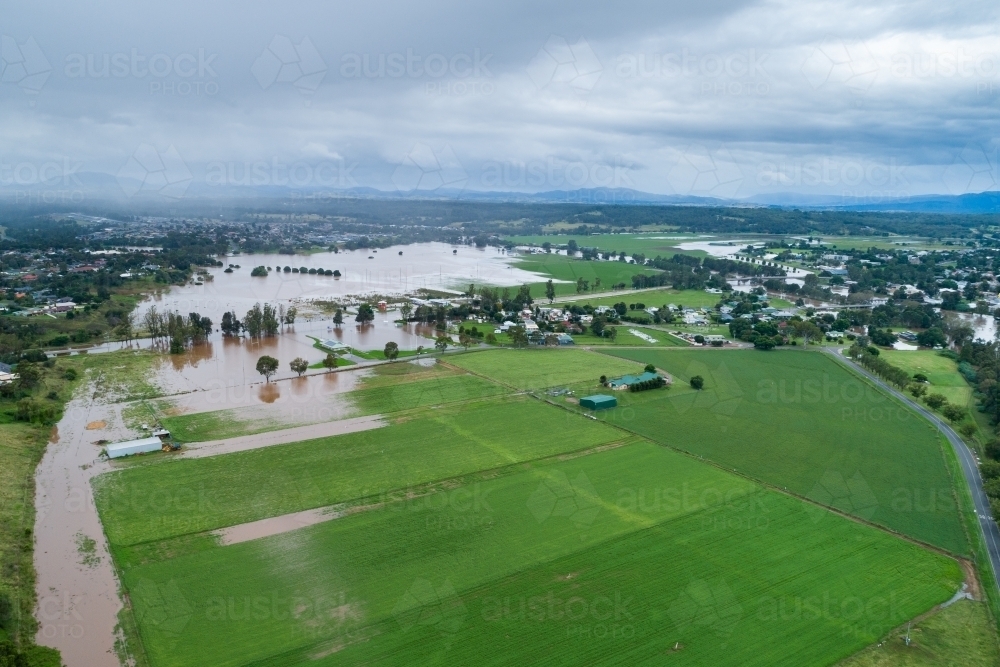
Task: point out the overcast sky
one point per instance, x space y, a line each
713 98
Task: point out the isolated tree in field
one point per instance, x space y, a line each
518 336
298 365
267 366
550 291
365 314
391 350
935 401
697 382
917 389
330 362
441 344
954 413
338 317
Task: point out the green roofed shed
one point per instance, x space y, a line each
598 402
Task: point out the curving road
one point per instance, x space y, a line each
991 534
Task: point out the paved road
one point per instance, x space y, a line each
970 469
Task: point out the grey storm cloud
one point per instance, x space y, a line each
720 98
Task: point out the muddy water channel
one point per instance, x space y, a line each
78 596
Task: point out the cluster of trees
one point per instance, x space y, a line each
763 335
171 326
868 357
687 272
646 385
259 321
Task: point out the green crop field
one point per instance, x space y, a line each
176 497
560 267
651 245
801 421
538 369
632 554
658 298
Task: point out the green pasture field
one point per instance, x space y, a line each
619 555
942 373
176 497
801 421
541 368
560 267
962 635
651 245
624 338
690 298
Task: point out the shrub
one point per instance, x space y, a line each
989 469
59 341
935 401
70 374
954 413
650 368
258 272
36 412
697 382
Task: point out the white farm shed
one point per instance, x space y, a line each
139 446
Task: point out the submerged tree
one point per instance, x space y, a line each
299 365
365 314
267 366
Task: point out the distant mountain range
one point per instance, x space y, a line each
100 186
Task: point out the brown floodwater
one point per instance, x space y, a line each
78 598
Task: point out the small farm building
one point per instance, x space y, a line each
598 402
140 446
626 381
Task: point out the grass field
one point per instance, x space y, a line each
185 496
656 298
799 420
959 636
651 245
538 369
942 373
647 550
569 269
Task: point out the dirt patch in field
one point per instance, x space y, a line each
971 580
97 425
